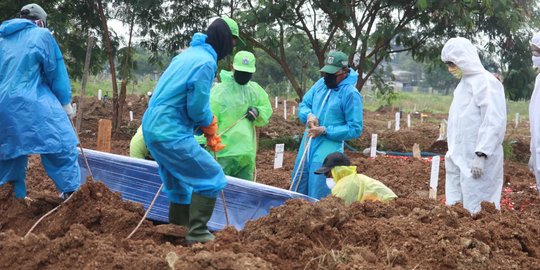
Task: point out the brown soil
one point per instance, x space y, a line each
412 232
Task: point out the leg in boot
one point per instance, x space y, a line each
179 214
200 211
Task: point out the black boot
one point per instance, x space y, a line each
179 214
200 212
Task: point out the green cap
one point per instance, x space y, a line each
244 61
234 28
335 61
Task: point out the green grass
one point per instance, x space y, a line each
437 104
94 83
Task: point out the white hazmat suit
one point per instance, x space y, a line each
534 117
476 123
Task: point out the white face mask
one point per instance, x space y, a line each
536 61
330 183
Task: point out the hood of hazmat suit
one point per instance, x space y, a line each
34 84
352 187
340 112
476 123
534 117
230 101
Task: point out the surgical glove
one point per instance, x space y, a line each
316 131
211 129
312 121
330 183
477 169
252 113
69 110
531 163
214 143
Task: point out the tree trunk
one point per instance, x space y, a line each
117 116
84 79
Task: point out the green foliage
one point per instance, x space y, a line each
508 150
291 143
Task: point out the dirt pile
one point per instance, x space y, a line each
405 234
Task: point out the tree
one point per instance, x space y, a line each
372 30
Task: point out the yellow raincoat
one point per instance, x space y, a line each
351 186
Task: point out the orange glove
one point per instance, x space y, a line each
214 143
212 129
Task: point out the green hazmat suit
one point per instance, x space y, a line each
352 186
137 147
229 101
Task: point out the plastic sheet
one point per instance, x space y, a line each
138 181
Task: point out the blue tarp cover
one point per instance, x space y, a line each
138 181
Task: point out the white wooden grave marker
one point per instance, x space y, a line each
397 121
373 151
434 181
278 159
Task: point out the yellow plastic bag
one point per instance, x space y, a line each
352 187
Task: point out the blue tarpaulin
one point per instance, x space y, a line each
138 181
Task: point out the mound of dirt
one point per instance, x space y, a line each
407 234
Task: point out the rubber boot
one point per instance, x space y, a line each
200 212
179 214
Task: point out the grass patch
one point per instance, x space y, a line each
291 143
436 104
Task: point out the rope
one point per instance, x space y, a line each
146 213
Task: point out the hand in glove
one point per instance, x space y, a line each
312 121
214 143
211 129
69 110
316 131
252 113
477 168
531 163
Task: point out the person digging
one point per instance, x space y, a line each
345 183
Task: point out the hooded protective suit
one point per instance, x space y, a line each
534 117
34 85
353 187
476 123
340 112
229 101
180 104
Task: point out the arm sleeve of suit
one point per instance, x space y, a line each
352 108
263 106
305 107
55 69
137 147
198 98
490 99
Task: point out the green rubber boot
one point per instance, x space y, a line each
200 212
179 214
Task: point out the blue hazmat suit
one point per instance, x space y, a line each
34 84
340 112
179 105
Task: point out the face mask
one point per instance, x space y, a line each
455 71
40 23
241 77
330 183
536 61
330 80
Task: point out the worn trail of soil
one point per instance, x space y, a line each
412 232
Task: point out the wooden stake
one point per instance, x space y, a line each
104 135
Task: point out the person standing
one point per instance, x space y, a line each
332 111
534 113
35 104
235 97
178 108
476 128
